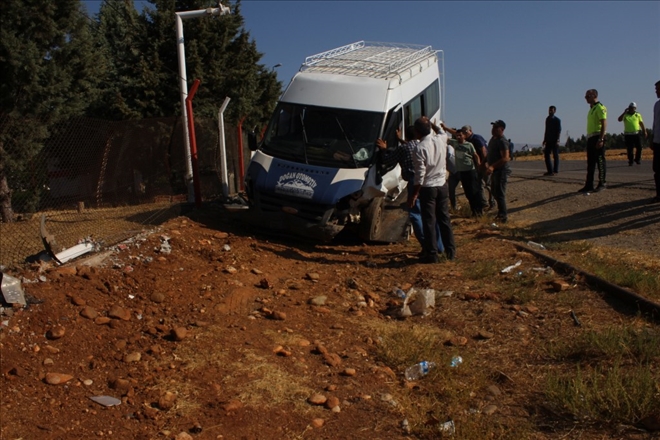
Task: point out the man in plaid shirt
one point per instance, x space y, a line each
402 154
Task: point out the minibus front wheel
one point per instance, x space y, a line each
371 218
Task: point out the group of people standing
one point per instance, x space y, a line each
427 153
634 131
426 156
489 166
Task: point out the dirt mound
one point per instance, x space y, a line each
221 334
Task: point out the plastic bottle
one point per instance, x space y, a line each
456 361
419 370
535 245
448 427
399 293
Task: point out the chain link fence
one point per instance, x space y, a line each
101 181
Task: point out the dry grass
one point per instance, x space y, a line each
614 378
445 390
607 376
616 266
284 338
255 380
265 384
402 344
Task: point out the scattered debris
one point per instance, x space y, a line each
547 270
47 239
235 203
575 318
447 428
444 294
75 251
419 370
84 246
106 400
165 247
510 268
419 302
535 245
399 293
456 361
12 291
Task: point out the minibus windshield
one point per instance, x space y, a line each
323 136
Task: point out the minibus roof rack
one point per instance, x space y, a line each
365 58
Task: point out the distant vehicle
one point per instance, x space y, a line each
317 169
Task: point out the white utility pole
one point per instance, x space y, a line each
223 148
183 81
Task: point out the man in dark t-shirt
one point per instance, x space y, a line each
551 141
497 166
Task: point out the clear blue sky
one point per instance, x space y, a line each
503 60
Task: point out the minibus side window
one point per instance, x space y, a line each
426 103
414 110
432 99
393 122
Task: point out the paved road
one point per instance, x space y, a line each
620 217
619 174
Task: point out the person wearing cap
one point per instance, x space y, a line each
551 141
467 162
655 144
596 129
480 145
632 124
497 166
430 164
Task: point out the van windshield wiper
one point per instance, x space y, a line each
347 141
305 141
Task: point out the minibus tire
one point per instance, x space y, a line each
370 220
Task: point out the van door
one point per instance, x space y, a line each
377 221
392 124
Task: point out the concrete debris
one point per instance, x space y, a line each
12 291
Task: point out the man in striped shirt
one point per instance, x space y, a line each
402 154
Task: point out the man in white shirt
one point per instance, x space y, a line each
430 165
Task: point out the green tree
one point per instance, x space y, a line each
219 52
120 30
48 72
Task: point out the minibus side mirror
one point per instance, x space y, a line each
252 141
